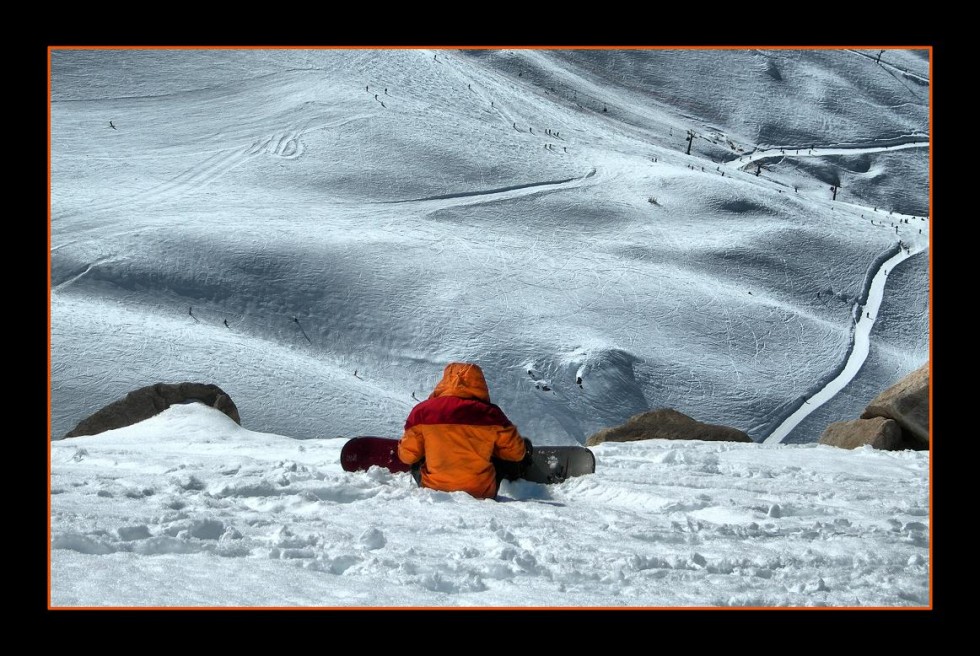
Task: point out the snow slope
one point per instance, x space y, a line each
386 211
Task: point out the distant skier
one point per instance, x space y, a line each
226 324
111 125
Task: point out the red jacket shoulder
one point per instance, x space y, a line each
454 410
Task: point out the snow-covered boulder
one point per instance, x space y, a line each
150 400
666 424
907 402
879 432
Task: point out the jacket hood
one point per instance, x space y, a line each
462 380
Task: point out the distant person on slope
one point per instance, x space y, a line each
457 440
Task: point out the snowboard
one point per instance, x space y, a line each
549 464
362 453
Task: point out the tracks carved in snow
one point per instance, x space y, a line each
878 146
502 193
285 144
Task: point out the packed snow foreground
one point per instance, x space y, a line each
190 509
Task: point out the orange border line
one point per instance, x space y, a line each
506 608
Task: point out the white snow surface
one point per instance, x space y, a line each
318 232
188 509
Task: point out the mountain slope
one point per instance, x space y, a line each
535 211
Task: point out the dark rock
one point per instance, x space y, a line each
666 424
907 402
879 432
151 400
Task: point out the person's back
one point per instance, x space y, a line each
456 433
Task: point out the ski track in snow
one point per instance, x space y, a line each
78 276
901 143
867 313
504 193
888 64
860 347
286 144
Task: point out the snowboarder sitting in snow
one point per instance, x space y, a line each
457 440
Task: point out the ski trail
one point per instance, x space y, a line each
193 178
860 346
887 64
469 76
283 144
76 277
445 201
502 191
898 143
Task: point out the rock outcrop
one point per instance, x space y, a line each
666 424
878 432
907 402
896 420
151 400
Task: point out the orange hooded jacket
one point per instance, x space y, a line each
457 430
